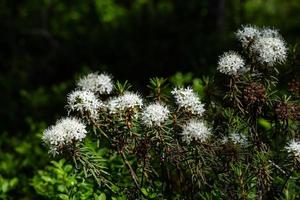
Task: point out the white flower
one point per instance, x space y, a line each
268 32
155 114
270 50
231 63
195 130
113 105
225 140
293 147
130 100
64 132
97 83
84 102
247 34
187 99
124 102
236 138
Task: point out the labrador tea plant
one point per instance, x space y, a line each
239 141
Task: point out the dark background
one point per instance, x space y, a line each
46 43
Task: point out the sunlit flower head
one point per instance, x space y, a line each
66 131
188 100
195 130
247 34
293 147
270 50
269 32
97 83
236 138
231 63
128 100
84 102
113 105
155 114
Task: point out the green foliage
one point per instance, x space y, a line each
62 181
109 11
7 185
18 162
264 123
291 189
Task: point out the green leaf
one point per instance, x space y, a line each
102 196
144 191
198 86
63 196
68 168
115 188
13 182
264 123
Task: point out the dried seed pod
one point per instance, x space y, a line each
282 111
255 96
285 111
294 88
295 112
255 93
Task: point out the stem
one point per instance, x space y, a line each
164 170
234 93
276 166
288 177
174 118
90 167
128 120
158 95
98 127
132 173
243 190
254 133
143 171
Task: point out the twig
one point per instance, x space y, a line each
276 166
288 177
132 173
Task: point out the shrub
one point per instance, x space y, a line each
239 141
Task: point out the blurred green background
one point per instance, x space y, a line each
46 44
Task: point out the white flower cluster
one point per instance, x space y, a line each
187 99
84 102
155 114
66 131
69 130
270 50
236 138
97 83
266 44
247 34
268 32
294 147
195 130
126 101
231 63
